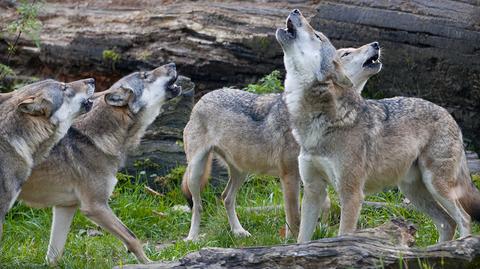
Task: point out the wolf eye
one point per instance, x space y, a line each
345 54
318 37
144 75
64 87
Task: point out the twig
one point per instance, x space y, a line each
152 191
160 214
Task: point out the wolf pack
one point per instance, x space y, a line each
62 144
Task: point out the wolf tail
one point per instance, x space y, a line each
205 167
471 197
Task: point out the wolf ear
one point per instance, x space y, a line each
36 106
119 97
338 76
122 97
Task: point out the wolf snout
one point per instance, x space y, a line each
375 45
294 20
169 70
171 67
296 12
84 86
90 81
91 86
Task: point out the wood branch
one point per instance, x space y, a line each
386 246
152 191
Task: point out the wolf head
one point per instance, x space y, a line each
309 57
141 90
56 101
360 63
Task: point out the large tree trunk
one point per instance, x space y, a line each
386 246
431 50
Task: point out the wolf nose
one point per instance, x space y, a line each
171 66
376 45
296 12
90 81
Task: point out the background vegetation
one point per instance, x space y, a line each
27 24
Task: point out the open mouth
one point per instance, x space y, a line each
290 30
87 104
173 88
372 61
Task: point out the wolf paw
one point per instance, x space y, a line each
191 239
241 233
194 238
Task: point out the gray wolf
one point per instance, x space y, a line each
361 146
250 133
33 119
6 96
80 170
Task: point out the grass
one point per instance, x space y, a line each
26 230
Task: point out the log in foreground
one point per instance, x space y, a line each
387 246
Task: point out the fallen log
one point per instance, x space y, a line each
430 50
386 246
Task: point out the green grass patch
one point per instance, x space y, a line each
153 219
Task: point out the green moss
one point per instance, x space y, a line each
271 83
111 57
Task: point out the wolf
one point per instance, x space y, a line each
250 133
6 96
33 119
80 170
361 146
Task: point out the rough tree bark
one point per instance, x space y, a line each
387 246
431 49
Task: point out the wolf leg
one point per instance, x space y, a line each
236 179
415 190
291 195
9 192
194 172
315 190
438 179
62 219
350 194
325 209
424 202
102 215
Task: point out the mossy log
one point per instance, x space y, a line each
387 246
